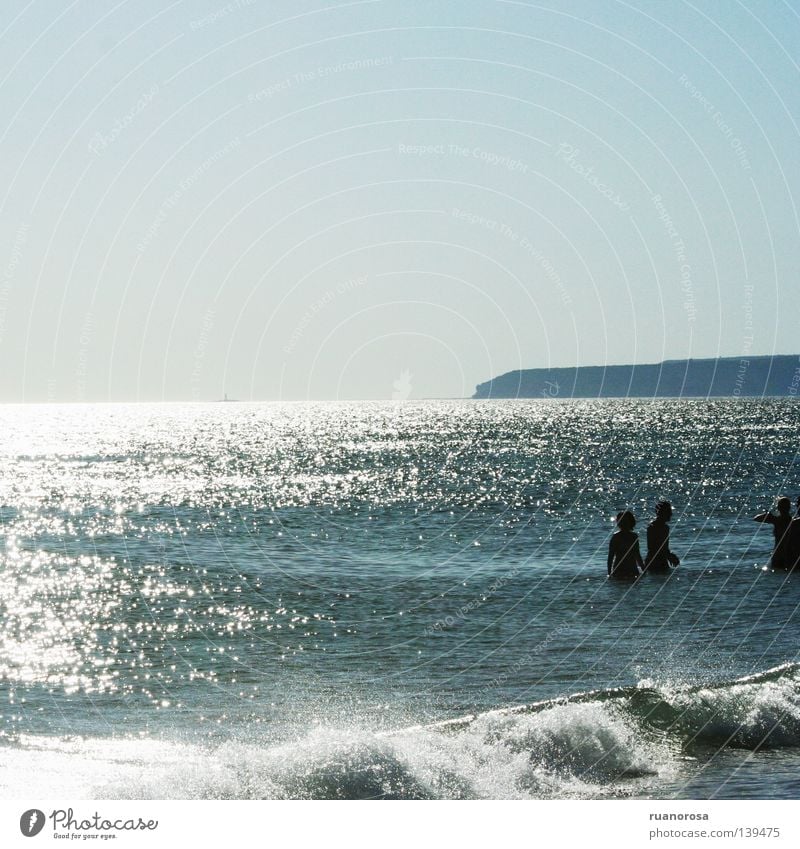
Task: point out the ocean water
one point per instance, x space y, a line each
394 600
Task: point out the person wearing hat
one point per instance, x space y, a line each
624 557
659 557
781 558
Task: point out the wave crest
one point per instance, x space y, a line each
623 741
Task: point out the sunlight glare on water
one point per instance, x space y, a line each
219 574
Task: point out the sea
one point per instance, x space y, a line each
402 600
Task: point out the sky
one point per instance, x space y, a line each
389 199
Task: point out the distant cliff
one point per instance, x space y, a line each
721 377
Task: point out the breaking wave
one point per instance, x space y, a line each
614 742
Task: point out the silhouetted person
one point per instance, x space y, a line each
659 557
794 539
624 557
780 528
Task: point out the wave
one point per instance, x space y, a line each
612 742
754 712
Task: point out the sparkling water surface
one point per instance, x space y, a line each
268 600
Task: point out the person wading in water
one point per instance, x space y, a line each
659 557
624 557
781 558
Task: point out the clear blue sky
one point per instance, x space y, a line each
390 197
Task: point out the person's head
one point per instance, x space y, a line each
626 520
664 510
784 504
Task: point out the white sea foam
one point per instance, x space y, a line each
567 750
628 741
762 711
